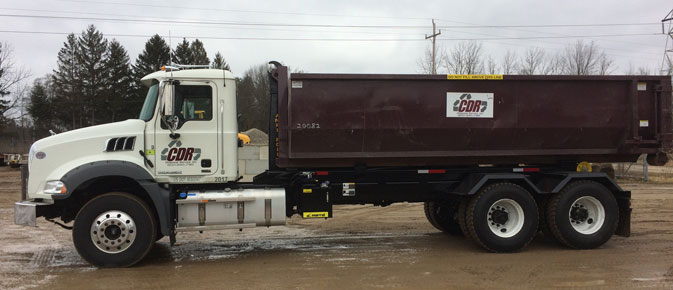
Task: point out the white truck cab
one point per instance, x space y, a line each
205 99
128 183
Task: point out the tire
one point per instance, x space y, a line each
119 216
543 227
462 222
502 217
584 215
443 216
427 208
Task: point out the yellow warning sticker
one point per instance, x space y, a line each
474 77
316 214
308 190
149 152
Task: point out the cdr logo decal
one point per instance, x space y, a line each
469 105
175 152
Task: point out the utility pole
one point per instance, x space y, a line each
434 37
667 62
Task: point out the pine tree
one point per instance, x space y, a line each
182 54
220 63
198 53
91 55
40 108
67 86
156 54
120 101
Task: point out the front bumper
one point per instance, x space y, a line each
26 212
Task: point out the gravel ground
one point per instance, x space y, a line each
363 247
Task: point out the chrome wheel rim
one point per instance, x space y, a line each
505 218
113 232
586 215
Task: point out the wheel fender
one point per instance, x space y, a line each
159 195
473 183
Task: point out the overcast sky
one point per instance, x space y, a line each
391 50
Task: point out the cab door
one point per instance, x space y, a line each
192 150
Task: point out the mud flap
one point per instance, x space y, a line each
624 225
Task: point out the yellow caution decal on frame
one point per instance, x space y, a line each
316 214
474 77
307 190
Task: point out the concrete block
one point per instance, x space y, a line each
248 152
241 167
263 152
256 166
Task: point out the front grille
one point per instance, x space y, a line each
120 144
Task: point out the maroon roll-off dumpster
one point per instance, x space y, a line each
345 120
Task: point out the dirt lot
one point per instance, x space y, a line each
363 247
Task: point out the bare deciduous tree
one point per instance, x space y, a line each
555 65
643 71
465 58
584 59
605 65
12 88
509 63
532 62
425 63
491 66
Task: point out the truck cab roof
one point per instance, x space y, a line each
188 74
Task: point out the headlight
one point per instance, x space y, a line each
54 187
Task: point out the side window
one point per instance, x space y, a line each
193 103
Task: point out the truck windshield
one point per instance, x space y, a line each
150 100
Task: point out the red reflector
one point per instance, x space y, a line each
431 171
321 172
531 170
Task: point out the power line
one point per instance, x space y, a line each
238 28
551 37
242 11
355 16
344 39
304 25
550 25
547 32
328 31
171 21
562 44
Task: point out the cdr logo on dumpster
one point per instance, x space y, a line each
469 105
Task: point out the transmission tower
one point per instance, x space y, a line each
667 62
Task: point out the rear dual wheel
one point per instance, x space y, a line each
502 217
584 215
443 215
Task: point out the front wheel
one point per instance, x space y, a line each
114 230
584 215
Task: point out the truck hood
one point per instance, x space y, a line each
75 137
53 157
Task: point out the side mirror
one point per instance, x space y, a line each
168 100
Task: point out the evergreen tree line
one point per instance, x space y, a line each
95 82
